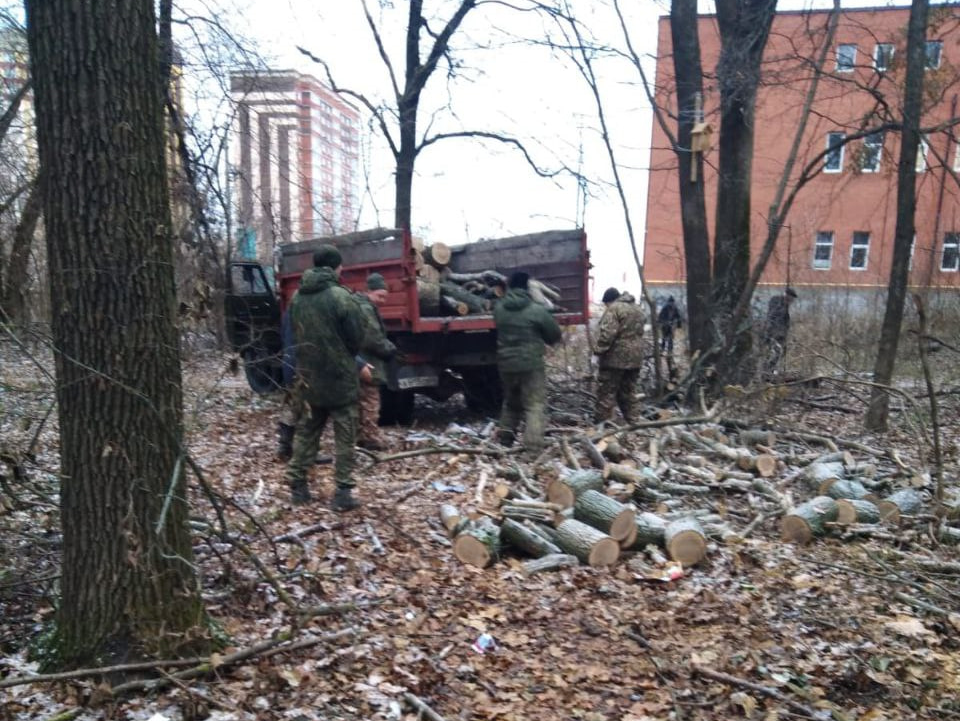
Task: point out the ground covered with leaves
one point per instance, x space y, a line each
368 615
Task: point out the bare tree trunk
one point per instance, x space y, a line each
744 29
13 301
693 209
877 411
127 581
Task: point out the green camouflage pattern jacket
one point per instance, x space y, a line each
619 342
376 348
328 329
524 329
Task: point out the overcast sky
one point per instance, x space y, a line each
465 190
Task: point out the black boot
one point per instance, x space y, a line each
299 493
285 442
343 499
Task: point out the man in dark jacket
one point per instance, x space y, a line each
777 327
668 319
376 350
620 352
328 329
524 329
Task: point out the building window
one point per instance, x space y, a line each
859 250
870 157
846 58
922 149
951 252
833 162
882 57
956 157
934 48
823 250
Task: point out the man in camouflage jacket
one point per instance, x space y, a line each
620 352
328 328
524 329
376 350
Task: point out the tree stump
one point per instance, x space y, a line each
564 491
857 510
590 545
685 541
600 511
907 500
808 520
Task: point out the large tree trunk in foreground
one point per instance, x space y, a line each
877 411
693 207
128 587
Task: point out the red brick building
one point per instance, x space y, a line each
295 150
839 233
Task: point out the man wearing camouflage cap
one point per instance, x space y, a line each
328 329
376 351
619 349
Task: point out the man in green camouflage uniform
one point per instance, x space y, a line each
328 329
524 329
376 350
620 350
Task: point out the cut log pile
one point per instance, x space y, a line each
574 521
671 502
444 292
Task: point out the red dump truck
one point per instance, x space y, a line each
442 355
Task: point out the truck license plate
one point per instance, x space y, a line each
417 382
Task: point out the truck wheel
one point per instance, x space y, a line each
482 391
396 407
262 369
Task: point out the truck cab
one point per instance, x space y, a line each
441 355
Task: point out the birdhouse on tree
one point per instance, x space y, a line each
701 140
701 137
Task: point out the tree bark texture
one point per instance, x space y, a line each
693 209
878 408
128 587
744 28
14 289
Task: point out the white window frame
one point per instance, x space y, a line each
872 140
922 149
827 168
913 247
842 50
956 156
935 63
824 239
951 240
861 240
877 53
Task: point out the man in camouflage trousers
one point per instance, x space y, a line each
776 329
376 350
524 329
620 353
328 329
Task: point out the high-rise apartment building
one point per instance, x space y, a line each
839 233
295 157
